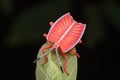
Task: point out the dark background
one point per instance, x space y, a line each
22 23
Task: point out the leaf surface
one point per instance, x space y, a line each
51 70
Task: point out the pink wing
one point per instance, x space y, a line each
72 37
59 28
65 32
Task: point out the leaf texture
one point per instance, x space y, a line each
51 70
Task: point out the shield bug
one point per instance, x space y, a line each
65 33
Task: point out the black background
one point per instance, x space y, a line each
99 50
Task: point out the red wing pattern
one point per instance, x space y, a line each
59 28
72 37
65 32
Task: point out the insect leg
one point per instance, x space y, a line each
51 23
56 49
44 35
80 41
44 54
65 62
43 50
73 51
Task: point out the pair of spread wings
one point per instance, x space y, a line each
66 32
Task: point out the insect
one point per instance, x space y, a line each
65 33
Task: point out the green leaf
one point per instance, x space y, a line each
51 70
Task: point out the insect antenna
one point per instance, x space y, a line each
56 49
43 55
